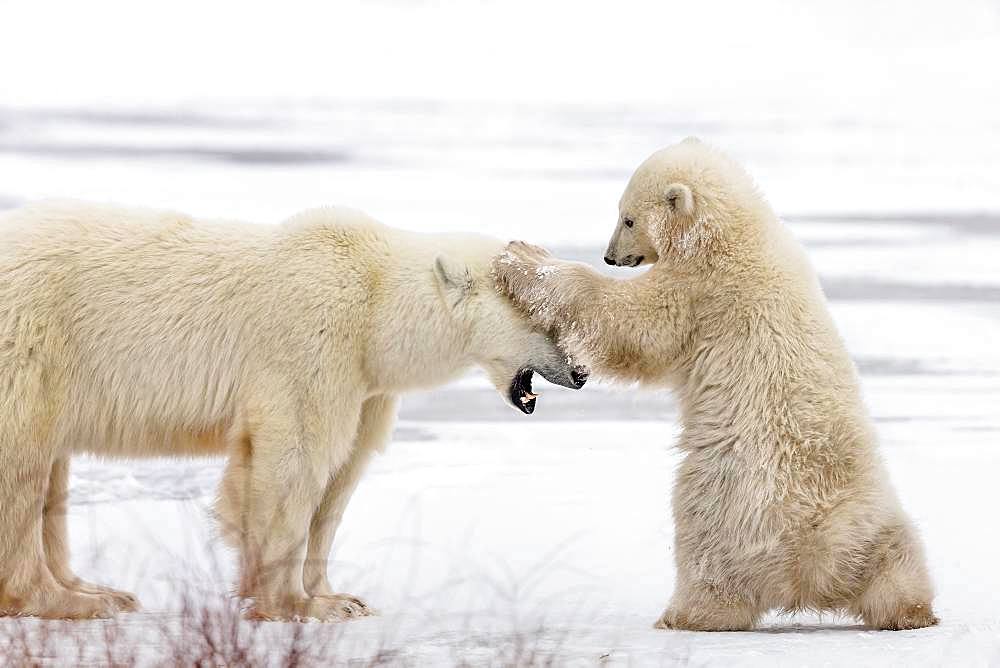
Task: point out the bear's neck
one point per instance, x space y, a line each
418 344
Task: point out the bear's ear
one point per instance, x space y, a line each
455 278
691 139
679 199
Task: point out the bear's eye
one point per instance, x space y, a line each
629 222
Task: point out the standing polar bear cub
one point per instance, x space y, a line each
781 500
138 333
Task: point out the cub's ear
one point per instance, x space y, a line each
680 199
454 277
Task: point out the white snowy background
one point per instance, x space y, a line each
874 128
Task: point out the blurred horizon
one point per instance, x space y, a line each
517 119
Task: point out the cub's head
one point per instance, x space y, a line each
674 203
501 340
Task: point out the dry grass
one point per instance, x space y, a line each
199 624
201 631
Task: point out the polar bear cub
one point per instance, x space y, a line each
143 333
782 500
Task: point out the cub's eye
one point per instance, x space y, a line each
629 222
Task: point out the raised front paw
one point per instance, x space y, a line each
525 252
520 268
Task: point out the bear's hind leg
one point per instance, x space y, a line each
27 587
899 593
56 543
230 505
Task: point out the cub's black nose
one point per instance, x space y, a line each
608 260
579 375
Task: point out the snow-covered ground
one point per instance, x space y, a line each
473 537
484 536
488 537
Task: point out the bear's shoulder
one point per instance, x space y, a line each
333 226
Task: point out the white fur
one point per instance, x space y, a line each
140 333
782 500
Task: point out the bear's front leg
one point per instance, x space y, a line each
701 606
378 415
285 484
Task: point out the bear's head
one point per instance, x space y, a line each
674 205
500 339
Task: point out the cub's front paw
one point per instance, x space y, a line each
527 253
518 260
520 269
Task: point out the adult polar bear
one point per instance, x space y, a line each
782 500
128 332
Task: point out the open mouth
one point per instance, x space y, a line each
520 391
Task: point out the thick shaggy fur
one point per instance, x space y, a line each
782 500
139 333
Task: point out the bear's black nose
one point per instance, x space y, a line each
608 260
